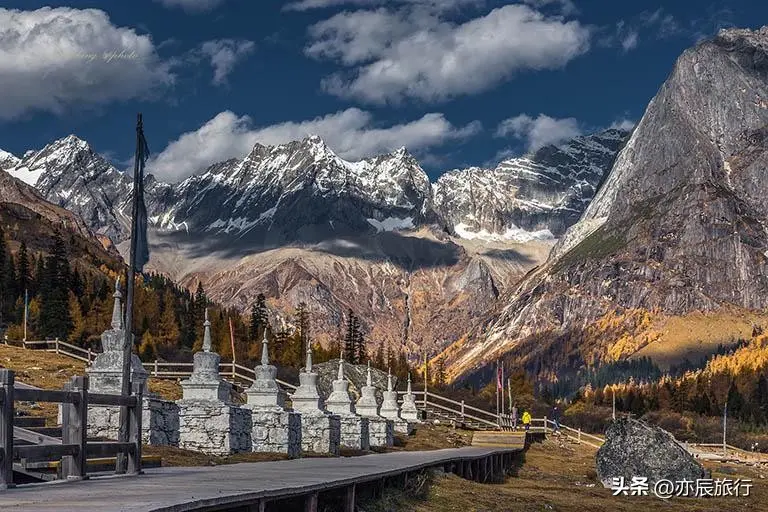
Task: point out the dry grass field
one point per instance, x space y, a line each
557 477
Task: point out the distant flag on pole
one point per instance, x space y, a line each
139 207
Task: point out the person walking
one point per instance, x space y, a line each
514 417
556 419
526 420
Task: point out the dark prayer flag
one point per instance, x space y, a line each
139 207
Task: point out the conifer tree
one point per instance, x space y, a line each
55 319
77 334
258 319
350 351
361 353
168 332
24 272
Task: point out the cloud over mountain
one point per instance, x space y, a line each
53 58
351 133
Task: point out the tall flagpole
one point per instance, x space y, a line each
26 309
125 390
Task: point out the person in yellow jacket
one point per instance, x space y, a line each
526 420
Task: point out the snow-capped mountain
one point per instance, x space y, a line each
298 223
301 191
7 160
69 173
537 196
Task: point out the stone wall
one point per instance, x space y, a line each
213 427
159 422
403 427
275 431
320 433
354 432
381 432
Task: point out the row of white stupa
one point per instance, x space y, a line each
326 425
206 420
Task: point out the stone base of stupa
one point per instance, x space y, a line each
320 433
354 432
214 427
159 422
275 431
381 432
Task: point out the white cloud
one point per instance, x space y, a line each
623 124
224 54
627 36
55 58
350 133
415 53
192 6
540 131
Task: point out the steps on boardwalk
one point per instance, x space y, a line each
498 439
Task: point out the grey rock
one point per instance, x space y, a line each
355 374
635 449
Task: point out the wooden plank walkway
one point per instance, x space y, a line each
216 488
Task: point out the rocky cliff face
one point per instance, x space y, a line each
16 192
678 226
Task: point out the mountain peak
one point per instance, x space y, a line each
8 160
72 141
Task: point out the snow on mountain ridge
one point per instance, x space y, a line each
545 191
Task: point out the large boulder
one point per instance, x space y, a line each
635 449
356 374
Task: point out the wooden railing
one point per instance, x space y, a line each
548 425
156 368
74 448
62 348
237 372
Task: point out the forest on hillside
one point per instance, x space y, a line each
72 300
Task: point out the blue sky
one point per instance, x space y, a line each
458 82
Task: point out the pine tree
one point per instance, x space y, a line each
24 270
55 320
258 319
361 354
350 351
169 334
77 334
8 287
303 325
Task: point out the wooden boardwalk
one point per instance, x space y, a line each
250 485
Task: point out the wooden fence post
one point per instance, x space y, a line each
135 430
156 369
6 429
545 425
75 430
579 436
462 410
56 344
89 355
